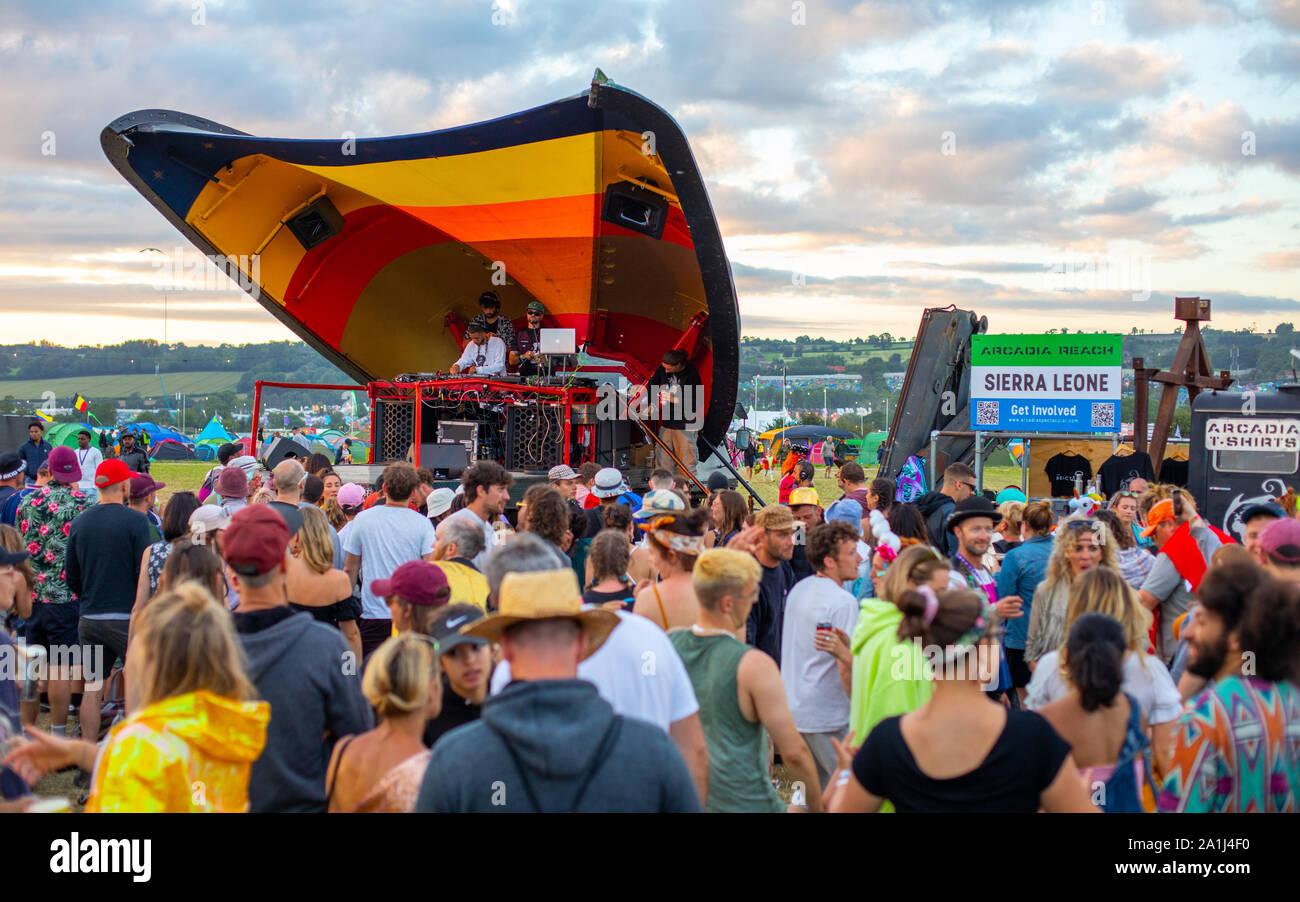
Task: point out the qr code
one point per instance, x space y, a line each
986 413
1103 414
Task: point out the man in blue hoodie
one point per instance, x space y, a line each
304 668
548 742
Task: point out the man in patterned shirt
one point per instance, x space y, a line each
494 323
1237 745
45 519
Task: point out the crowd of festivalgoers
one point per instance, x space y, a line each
286 641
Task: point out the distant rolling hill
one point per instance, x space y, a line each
121 386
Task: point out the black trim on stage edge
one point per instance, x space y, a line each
839 853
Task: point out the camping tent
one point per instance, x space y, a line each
156 433
170 449
66 434
214 432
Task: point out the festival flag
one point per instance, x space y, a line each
49 418
80 404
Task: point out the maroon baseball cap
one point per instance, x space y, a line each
63 465
142 484
111 472
256 540
415 582
1281 540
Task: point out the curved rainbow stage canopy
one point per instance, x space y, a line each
375 250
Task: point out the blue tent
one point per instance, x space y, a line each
157 433
214 431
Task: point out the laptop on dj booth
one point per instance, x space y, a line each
558 341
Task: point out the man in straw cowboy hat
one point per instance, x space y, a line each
548 742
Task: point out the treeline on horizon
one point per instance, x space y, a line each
1259 357
285 361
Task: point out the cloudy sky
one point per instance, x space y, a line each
1043 163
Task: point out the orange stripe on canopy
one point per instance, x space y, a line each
549 217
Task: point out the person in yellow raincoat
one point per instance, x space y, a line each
196 730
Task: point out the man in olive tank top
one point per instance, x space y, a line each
740 692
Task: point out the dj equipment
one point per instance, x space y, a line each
534 437
464 432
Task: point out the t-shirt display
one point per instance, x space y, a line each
1063 470
1119 469
1174 471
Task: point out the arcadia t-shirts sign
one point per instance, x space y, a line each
1045 383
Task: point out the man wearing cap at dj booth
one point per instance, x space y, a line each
528 340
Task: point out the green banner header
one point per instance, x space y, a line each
1045 350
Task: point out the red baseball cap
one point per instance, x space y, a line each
111 472
256 540
415 582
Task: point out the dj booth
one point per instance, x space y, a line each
447 422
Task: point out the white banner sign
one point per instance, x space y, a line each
1252 434
1037 383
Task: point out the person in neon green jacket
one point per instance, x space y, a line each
888 672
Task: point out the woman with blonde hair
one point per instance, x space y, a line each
675 542
1081 544
312 583
196 729
1146 679
381 770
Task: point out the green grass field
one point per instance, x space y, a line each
143 384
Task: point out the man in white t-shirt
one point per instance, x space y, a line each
382 539
818 700
484 353
636 670
486 485
88 458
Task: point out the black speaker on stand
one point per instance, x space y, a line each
283 449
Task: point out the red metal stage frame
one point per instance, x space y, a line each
257 403
486 390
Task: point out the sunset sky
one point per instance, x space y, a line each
865 160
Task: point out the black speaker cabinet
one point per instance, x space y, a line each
534 437
448 458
